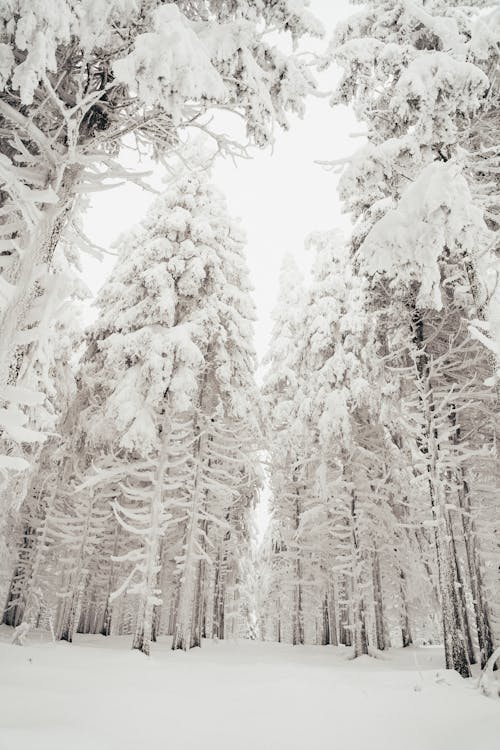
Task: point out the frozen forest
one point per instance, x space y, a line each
216 539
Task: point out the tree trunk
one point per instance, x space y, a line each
456 656
360 639
406 635
105 628
325 632
298 617
218 624
481 612
332 618
345 622
380 630
144 626
198 608
460 585
14 609
184 611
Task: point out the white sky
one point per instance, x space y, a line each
280 195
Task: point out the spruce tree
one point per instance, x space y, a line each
171 419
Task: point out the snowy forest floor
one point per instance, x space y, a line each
97 694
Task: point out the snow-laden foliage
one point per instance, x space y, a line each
333 513
410 408
280 393
75 80
382 465
424 79
159 466
46 387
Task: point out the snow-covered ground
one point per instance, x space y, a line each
98 695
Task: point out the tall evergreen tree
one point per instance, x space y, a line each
169 415
421 237
280 391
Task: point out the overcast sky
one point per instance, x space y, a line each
280 195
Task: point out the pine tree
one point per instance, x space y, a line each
169 412
280 392
420 236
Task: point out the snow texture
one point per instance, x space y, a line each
97 694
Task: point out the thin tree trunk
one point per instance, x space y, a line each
360 639
332 617
218 625
460 585
108 607
456 656
325 632
483 627
406 634
484 632
184 612
380 630
144 627
16 600
198 608
298 618
345 621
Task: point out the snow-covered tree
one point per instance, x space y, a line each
333 519
169 415
280 392
48 380
75 80
424 238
